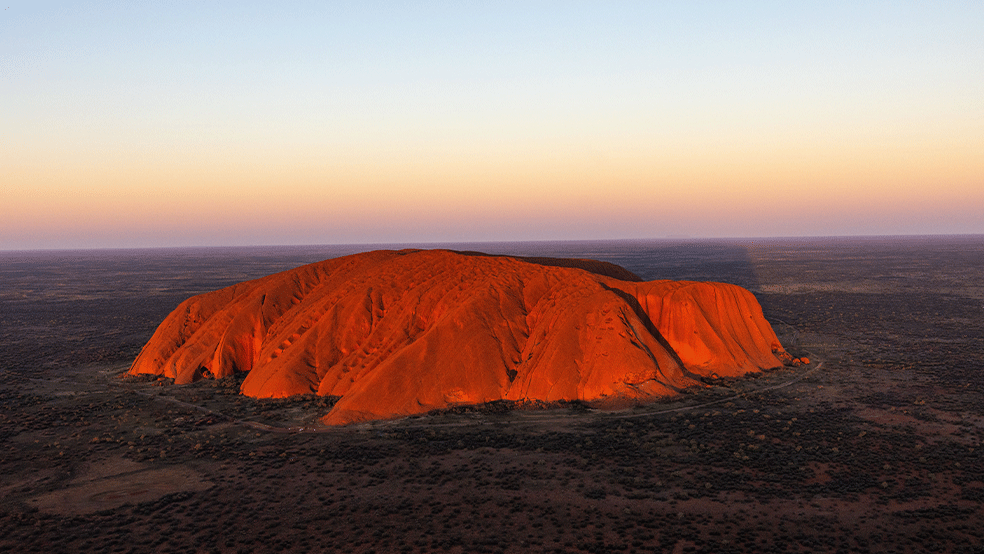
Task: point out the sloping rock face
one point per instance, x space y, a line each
396 333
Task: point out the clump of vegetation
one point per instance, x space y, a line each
140 378
498 407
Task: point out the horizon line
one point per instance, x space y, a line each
474 242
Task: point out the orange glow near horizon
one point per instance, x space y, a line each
239 193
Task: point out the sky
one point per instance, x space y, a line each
143 124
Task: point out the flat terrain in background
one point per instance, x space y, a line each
874 447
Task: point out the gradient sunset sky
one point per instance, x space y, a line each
235 123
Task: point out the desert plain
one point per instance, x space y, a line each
872 447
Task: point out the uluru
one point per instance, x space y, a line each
397 333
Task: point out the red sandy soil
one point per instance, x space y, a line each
398 333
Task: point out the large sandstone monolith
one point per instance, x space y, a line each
401 333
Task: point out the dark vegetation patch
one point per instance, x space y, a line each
495 407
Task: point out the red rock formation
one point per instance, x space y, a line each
400 333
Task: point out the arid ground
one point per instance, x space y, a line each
873 447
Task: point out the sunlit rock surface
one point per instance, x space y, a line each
396 333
